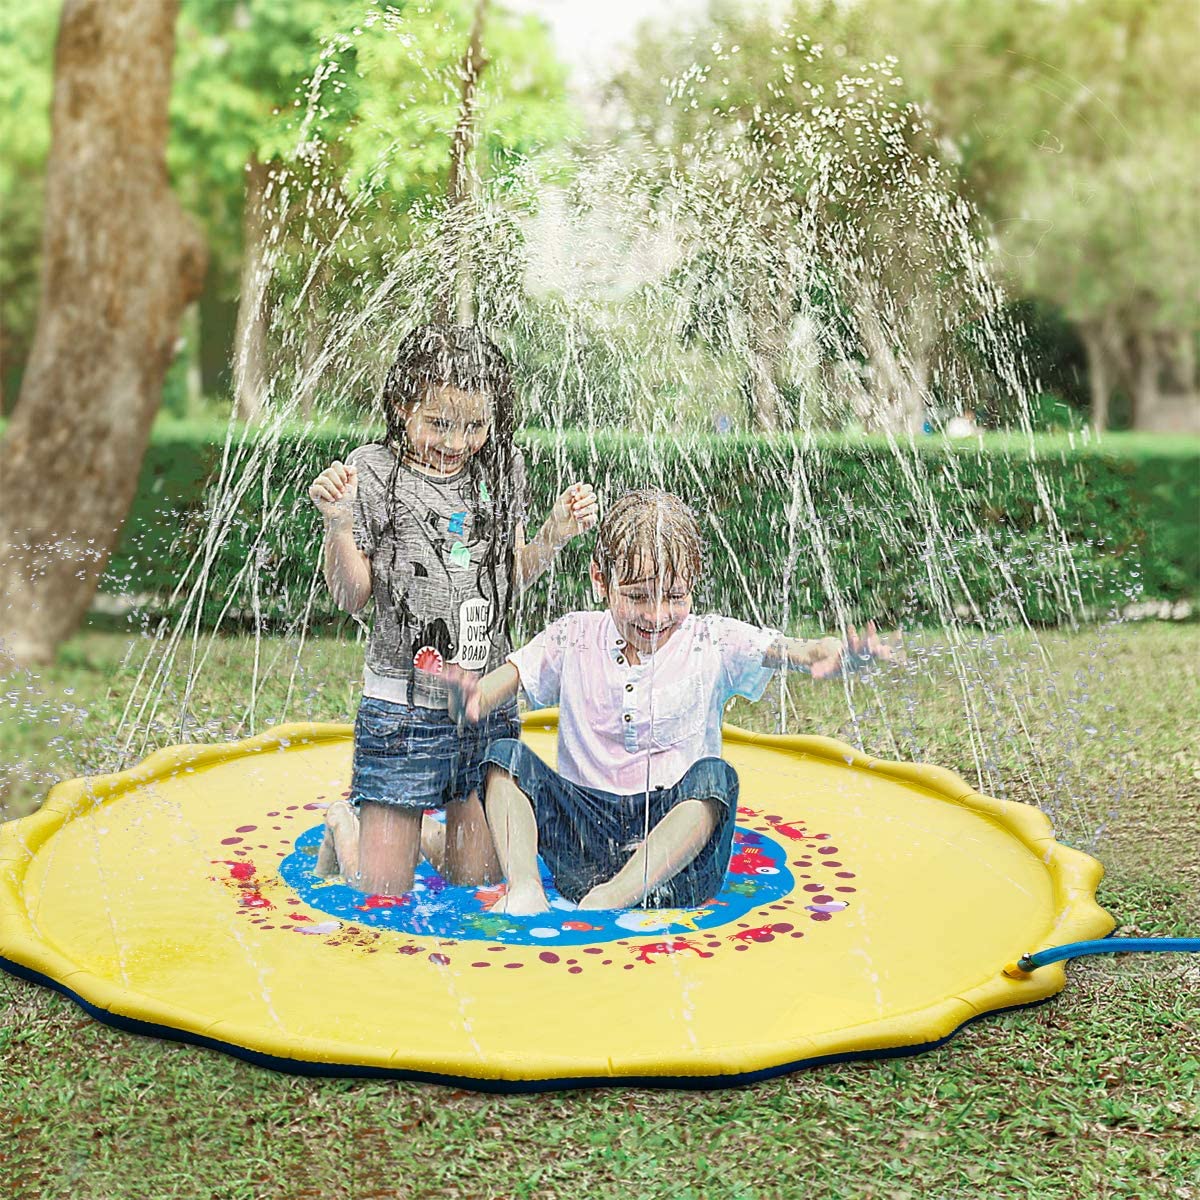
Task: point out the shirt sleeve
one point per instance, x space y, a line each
539 663
368 503
742 647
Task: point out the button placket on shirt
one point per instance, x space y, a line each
628 697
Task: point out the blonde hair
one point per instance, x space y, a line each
649 533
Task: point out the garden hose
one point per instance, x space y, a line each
1028 963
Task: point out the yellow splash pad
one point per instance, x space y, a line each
870 909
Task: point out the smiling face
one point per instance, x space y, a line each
646 610
445 429
647 560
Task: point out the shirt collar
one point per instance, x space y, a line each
613 642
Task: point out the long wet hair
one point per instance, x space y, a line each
649 533
464 358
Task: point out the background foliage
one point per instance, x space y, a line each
981 512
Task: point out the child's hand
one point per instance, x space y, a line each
870 644
830 661
333 492
575 511
856 652
463 693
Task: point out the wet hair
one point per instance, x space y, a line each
464 358
649 533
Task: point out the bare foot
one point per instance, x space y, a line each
523 901
327 862
433 844
339 849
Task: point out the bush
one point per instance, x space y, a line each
993 529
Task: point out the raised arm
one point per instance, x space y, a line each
574 513
800 654
347 568
830 656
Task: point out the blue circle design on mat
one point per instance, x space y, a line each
434 908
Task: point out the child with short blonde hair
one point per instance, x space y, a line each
641 808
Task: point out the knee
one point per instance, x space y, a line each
704 814
504 755
711 779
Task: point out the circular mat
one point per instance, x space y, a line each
869 908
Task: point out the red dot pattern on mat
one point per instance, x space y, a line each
673 945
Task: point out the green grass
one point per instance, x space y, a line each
1096 1094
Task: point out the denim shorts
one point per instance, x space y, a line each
585 836
416 757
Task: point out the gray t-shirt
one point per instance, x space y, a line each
435 597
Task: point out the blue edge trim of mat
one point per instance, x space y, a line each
297 1066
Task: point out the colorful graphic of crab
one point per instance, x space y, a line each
653 950
791 830
761 933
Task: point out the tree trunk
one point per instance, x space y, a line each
1146 390
250 372
120 262
1099 378
458 186
460 183
899 382
765 401
194 379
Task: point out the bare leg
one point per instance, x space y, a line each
514 831
470 855
672 844
389 846
339 848
433 843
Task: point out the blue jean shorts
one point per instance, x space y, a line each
585 836
410 756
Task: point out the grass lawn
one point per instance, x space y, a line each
1096 1094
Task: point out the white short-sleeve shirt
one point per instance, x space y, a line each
623 728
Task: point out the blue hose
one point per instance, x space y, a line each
1116 945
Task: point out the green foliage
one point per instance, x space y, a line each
995 531
1070 127
378 89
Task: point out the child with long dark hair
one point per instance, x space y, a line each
429 523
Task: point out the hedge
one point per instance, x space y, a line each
997 529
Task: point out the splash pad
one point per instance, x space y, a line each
870 909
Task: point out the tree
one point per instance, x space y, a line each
1076 127
1070 127
120 261
833 195
352 112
